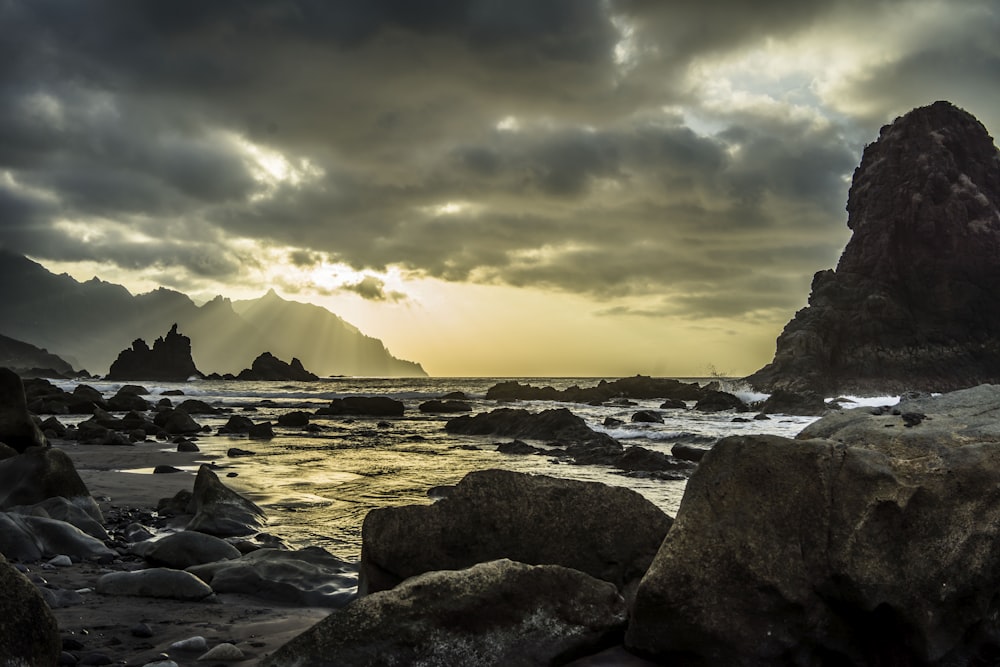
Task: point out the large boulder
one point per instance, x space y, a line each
639 386
169 360
29 635
558 425
499 613
156 582
29 538
309 577
609 532
220 511
63 509
806 552
184 549
914 302
38 474
17 428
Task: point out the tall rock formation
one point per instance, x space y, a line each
169 360
914 302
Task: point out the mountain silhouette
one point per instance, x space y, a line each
89 323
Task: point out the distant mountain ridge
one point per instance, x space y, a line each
89 323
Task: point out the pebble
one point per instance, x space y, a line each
141 630
196 643
161 663
61 561
224 652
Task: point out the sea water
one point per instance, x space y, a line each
317 487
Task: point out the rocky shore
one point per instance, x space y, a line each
868 540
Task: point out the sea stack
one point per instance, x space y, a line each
914 303
169 360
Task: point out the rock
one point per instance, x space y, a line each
129 397
18 429
196 643
141 630
176 421
294 419
30 538
687 452
165 470
364 406
809 552
518 447
559 425
136 532
38 474
261 431
496 613
914 302
236 452
184 549
224 652
784 402
29 634
220 511
608 532
639 386
237 424
642 459
58 598
612 422
193 406
187 446
62 509
169 360
155 582
269 368
647 417
719 401
309 577
445 407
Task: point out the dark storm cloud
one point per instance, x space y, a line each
545 143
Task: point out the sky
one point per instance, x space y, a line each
492 187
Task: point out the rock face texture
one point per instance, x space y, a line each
169 360
29 634
17 429
914 302
608 532
809 552
498 613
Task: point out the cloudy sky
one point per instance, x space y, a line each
492 187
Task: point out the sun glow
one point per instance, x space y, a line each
272 169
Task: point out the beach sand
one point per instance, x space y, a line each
102 624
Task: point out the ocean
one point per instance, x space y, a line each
317 487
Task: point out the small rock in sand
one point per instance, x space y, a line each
224 652
196 643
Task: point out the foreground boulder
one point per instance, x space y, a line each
496 613
17 428
310 577
558 425
807 552
184 549
611 533
156 582
914 302
220 511
38 474
31 538
29 634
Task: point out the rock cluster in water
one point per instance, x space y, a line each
914 302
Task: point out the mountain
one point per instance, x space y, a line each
89 323
914 302
23 358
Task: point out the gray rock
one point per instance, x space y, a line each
196 643
38 474
29 634
611 533
496 613
220 511
224 652
805 552
157 582
17 428
62 509
30 538
57 598
309 577
184 549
